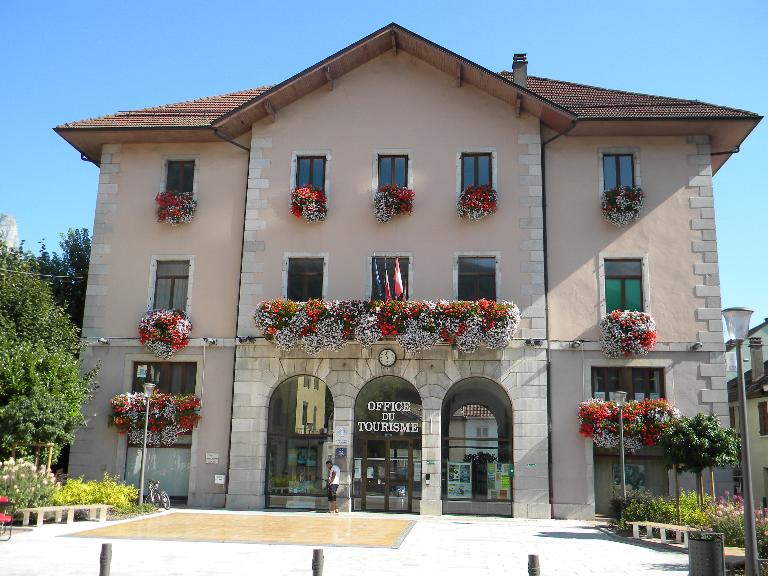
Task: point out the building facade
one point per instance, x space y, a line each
492 431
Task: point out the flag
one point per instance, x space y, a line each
379 291
398 279
387 293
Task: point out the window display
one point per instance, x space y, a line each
300 440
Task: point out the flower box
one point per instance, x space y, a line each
318 325
622 205
476 202
164 332
175 207
644 421
309 202
625 333
391 200
170 416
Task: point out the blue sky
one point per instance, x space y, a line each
64 61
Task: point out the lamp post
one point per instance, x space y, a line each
620 398
737 324
149 387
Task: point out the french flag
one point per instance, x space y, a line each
398 279
387 293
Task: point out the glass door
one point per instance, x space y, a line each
387 475
374 476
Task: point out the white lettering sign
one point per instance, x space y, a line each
387 422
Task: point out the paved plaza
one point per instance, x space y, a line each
439 546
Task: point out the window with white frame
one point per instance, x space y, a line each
171 287
476 278
305 278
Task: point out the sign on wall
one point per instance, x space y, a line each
341 436
388 417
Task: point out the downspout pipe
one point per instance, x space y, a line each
220 135
546 310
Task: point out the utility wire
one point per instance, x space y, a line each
39 274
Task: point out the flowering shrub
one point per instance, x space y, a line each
318 325
26 485
175 207
310 202
727 517
476 202
627 333
644 421
170 416
164 332
391 200
644 506
621 205
108 490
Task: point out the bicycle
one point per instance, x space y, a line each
157 497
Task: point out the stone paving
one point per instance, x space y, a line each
439 546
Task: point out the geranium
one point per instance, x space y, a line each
476 202
175 207
417 325
391 200
644 421
164 332
622 205
625 333
170 416
310 202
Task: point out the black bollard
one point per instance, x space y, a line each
317 562
533 565
105 559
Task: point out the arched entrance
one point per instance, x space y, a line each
477 464
387 447
298 443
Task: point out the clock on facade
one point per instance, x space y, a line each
387 357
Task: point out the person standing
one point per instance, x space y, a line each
333 486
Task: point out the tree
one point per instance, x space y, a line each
693 444
68 272
41 388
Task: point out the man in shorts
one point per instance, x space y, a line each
333 485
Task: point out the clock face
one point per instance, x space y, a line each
387 357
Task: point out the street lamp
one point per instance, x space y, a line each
620 398
149 387
737 324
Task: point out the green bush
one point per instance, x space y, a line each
106 491
643 506
25 485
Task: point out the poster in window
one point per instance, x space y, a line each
459 480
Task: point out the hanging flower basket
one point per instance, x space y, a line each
175 207
476 202
644 421
309 202
318 325
391 200
625 333
164 332
170 416
622 204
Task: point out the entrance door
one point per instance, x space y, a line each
387 473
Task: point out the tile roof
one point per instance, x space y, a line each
586 102
476 411
198 113
593 102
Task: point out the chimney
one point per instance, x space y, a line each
756 355
520 70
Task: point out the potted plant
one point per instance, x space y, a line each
175 207
627 333
476 202
164 332
309 202
622 205
391 200
644 422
